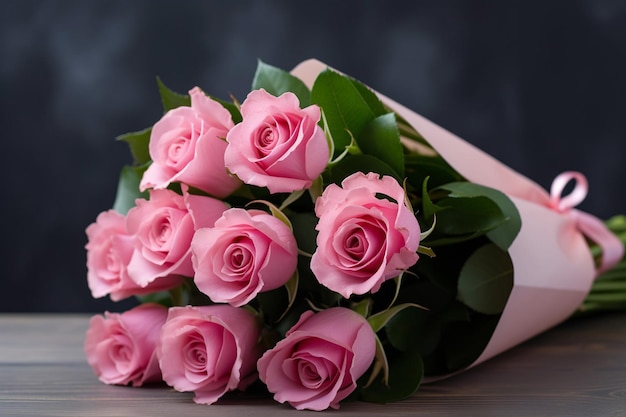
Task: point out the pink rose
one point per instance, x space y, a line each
164 226
277 145
109 251
320 359
247 252
187 146
209 350
363 239
121 347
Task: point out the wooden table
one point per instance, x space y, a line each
576 369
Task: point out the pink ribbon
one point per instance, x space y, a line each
590 226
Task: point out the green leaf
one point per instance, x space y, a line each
363 307
275 211
232 108
163 298
380 138
277 81
409 132
380 365
379 320
128 189
292 290
428 208
358 163
413 329
138 143
304 230
486 280
418 167
372 100
468 216
171 99
505 234
348 107
463 343
273 304
406 371
291 198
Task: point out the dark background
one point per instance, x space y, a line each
538 84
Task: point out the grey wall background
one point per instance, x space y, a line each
538 84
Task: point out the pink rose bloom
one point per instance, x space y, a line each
121 347
187 146
277 145
109 250
209 350
247 252
320 359
363 239
164 226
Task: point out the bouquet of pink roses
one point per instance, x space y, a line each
322 242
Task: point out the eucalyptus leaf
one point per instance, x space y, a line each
486 280
171 99
277 81
138 142
380 138
128 189
406 371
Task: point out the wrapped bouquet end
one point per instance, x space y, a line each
322 242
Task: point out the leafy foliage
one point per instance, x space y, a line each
432 319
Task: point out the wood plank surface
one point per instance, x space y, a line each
576 369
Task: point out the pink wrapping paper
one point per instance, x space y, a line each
553 267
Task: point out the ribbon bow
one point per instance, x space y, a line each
590 226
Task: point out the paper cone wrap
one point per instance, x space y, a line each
553 266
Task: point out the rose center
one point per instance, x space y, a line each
238 259
195 359
266 141
356 244
177 150
360 243
112 263
165 232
